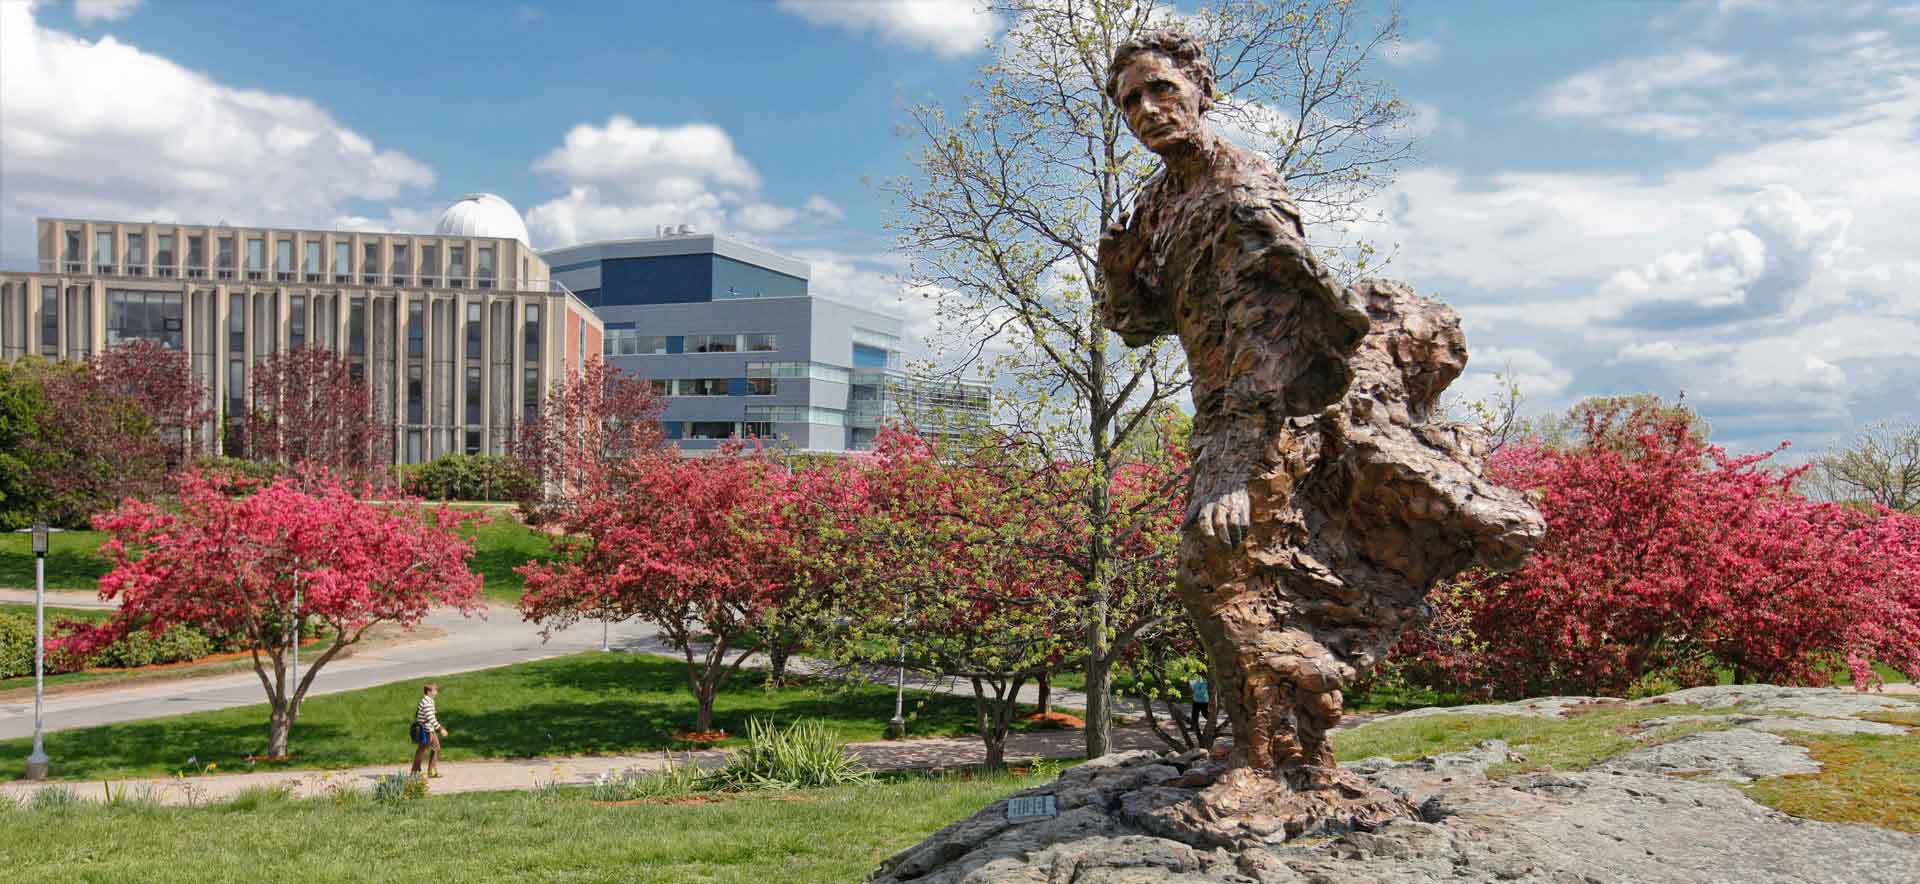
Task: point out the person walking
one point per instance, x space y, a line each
1202 696
427 732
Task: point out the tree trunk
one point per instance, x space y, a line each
778 652
705 720
1045 688
279 730
996 739
1099 687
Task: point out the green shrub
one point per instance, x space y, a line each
54 798
804 755
16 645
140 648
677 778
468 477
396 787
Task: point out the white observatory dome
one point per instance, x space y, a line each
482 214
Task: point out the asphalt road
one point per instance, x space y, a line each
500 639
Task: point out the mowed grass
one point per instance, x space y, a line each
600 703
73 560
830 835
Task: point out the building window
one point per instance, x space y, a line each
702 386
103 252
343 262
196 256
712 344
710 429
283 260
661 387
869 357
416 329
237 325
49 320
266 323
136 254
456 266
297 323
163 257
236 388
256 259
416 394
400 267
144 316
532 343
416 446
761 343
429 266
370 263
473 441
223 255
759 386
310 262
473 330
76 262
483 271
473 395
757 429
530 393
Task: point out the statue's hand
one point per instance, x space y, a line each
1225 515
1120 251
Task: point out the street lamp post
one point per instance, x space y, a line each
897 728
37 762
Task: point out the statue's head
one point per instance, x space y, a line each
1162 82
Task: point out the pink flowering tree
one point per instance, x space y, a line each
685 543
1667 559
265 564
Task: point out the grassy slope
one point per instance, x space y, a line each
605 703
500 546
832 835
73 560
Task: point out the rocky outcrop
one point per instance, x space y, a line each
1653 815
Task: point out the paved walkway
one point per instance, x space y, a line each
501 638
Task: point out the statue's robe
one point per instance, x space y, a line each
1318 400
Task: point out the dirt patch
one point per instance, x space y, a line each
700 736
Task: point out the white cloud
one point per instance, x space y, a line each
826 208
624 178
103 129
1405 53
90 11
948 27
1646 94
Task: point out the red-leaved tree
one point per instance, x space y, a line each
686 544
1666 558
261 566
86 447
161 383
309 408
592 418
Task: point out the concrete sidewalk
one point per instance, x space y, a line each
529 773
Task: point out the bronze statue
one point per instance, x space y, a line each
1327 495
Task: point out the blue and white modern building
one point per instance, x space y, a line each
729 334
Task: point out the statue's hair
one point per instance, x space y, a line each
1181 48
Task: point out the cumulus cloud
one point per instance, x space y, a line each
823 207
102 129
90 11
623 178
1648 94
1405 53
948 27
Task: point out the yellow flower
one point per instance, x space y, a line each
213 765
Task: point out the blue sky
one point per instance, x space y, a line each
1709 197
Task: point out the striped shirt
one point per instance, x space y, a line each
426 716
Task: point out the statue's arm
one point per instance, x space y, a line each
1289 310
1128 305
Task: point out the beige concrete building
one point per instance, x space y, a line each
459 333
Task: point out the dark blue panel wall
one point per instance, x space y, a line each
869 357
671 279
737 279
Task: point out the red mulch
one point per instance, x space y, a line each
1055 720
700 736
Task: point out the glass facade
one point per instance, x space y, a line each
148 316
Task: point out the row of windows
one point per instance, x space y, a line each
397 257
629 342
712 386
718 429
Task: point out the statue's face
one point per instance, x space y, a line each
1161 103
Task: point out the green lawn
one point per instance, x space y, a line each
500 546
831 835
55 615
592 702
73 560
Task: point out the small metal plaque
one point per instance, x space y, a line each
1031 807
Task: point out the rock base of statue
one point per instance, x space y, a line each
1208 805
1670 813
